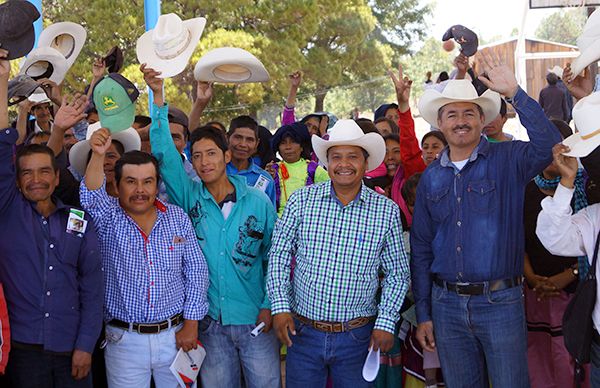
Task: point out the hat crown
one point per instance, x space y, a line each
461 89
345 130
585 114
170 37
16 17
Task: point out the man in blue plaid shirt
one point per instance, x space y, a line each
343 236
156 278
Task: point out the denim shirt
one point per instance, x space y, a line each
468 224
52 277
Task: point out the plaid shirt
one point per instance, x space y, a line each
148 278
339 252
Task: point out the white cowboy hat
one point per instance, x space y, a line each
230 65
66 37
45 62
585 115
556 70
347 132
78 155
458 90
588 43
39 96
168 47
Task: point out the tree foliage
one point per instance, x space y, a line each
563 26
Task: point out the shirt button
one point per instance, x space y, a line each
222 278
459 223
48 293
458 249
51 246
222 298
222 253
458 175
44 222
223 230
47 315
51 268
458 199
7 131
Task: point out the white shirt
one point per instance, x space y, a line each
565 234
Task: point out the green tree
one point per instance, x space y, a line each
563 26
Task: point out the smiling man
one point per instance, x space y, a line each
243 143
341 234
233 224
467 232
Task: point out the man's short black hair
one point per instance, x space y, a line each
552 78
211 133
137 158
503 107
393 137
243 122
393 125
32 149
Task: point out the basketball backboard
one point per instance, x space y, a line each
533 4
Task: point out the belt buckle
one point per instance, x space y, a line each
460 286
152 325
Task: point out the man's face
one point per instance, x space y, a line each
384 128
392 157
110 159
178 135
243 143
41 112
69 139
495 127
392 114
37 178
313 124
461 123
347 166
138 188
290 150
209 160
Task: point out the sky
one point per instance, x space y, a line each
488 18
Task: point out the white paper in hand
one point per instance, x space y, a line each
186 365
371 367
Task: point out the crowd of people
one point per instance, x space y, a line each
129 238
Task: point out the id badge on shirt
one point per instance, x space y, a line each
76 223
261 183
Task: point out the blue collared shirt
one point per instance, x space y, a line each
252 174
52 278
468 224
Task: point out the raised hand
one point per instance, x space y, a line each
579 86
402 85
52 90
100 141
500 78
151 78
98 69
204 92
567 166
70 112
295 79
4 64
461 62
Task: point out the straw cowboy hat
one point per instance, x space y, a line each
347 132
78 155
588 43
66 37
556 70
230 65
168 47
45 62
458 90
585 115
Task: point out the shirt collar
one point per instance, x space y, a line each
252 167
328 191
481 148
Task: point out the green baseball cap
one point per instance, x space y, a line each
114 97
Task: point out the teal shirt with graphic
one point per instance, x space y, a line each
236 249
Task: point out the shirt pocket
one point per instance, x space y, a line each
481 195
439 204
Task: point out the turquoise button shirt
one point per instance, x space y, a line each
235 249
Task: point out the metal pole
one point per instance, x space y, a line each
151 14
38 25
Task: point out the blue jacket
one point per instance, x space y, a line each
468 224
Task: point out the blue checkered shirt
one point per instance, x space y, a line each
340 251
148 278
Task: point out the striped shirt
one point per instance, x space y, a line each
148 278
340 251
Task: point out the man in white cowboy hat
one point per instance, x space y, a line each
561 232
467 234
553 100
341 234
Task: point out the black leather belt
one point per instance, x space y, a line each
149 328
478 288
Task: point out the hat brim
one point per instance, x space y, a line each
74 30
119 122
230 65
373 143
432 100
78 155
580 147
590 55
49 55
169 67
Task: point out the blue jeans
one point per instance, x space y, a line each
229 347
481 339
132 358
315 354
33 368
